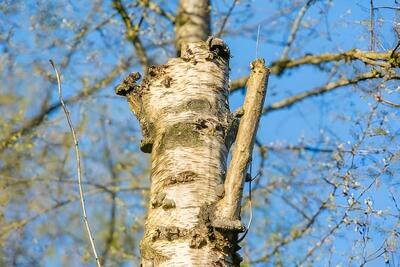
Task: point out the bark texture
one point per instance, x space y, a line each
187 127
192 22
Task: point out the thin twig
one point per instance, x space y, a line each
295 28
249 179
157 9
221 30
387 102
78 162
132 33
394 49
387 7
371 26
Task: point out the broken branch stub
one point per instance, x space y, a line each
228 209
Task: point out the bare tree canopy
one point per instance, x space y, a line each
320 187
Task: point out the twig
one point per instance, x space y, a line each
295 28
78 162
221 30
249 179
132 33
288 102
157 9
387 102
387 7
395 48
371 26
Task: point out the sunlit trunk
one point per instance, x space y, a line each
187 126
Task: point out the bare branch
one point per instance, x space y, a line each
221 29
387 102
157 9
387 7
78 162
237 84
132 33
295 28
229 206
288 102
372 58
371 25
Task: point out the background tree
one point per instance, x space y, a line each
327 149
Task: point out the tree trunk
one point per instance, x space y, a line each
187 126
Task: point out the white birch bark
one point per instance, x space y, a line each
187 126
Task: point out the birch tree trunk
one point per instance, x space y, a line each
187 127
184 114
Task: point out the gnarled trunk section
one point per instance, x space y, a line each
187 127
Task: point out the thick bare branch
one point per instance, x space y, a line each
382 59
229 207
288 102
